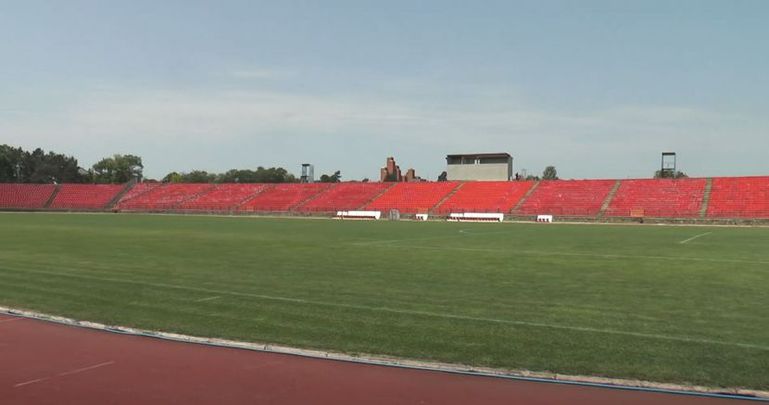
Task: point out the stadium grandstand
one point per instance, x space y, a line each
708 199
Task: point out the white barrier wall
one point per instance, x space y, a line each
359 214
544 218
421 217
476 216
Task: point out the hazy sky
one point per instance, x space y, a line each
597 88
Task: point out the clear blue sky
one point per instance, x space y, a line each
596 88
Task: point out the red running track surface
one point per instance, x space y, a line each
47 363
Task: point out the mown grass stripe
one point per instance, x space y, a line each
414 312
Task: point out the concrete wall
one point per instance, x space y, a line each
494 171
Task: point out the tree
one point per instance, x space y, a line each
390 177
260 175
550 173
10 163
17 165
669 174
173 177
443 176
334 178
198 176
118 169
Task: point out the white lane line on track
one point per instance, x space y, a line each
208 299
543 325
84 369
685 241
37 380
65 373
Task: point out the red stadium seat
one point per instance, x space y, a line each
659 198
283 197
739 197
344 196
163 197
485 196
85 196
582 198
25 196
137 190
224 197
416 197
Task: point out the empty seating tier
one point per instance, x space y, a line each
344 196
224 197
581 198
413 197
739 197
85 196
25 196
658 198
729 197
485 196
283 197
137 190
164 197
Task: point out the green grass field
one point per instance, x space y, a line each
618 301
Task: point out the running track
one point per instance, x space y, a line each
47 363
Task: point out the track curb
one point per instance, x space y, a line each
519 375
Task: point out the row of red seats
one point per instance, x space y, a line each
164 197
567 198
659 198
739 197
137 190
85 196
25 196
413 197
344 197
224 197
283 197
734 197
485 196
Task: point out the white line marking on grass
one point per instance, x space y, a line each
84 369
694 237
21 384
208 299
469 232
412 312
596 255
388 241
461 233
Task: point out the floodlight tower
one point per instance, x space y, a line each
668 168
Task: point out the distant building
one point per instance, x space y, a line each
392 173
480 166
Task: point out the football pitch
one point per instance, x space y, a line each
660 303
